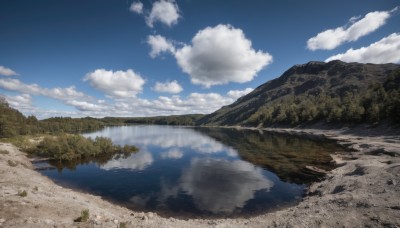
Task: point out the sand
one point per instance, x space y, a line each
363 191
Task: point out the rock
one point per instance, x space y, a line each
116 221
391 182
48 221
150 215
145 218
2 220
97 222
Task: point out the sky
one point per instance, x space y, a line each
164 57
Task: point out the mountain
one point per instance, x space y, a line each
333 92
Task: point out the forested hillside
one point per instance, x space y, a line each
13 123
334 93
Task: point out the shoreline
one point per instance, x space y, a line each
364 190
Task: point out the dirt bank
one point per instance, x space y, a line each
364 191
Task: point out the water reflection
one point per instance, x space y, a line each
138 161
221 186
218 186
165 137
173 153
201 171
286 155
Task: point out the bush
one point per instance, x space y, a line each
23 194
70 147
84 216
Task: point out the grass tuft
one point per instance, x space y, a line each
84 216
12 163
23 194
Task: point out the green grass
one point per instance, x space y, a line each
23 194
84 216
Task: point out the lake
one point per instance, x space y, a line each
182 171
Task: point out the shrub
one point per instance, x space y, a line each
84 216
23 194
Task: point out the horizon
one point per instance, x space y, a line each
164 57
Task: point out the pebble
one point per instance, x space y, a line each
2 220
116 221
145 218
48 221
150 215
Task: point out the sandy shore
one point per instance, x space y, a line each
364 191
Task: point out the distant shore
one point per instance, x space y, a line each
364 190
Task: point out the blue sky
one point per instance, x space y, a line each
163 57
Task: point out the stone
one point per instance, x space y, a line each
115 221
391 182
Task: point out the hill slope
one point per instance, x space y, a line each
333 92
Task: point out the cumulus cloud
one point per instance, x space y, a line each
116 84
164 11
159 45
386 50
219 55
136 7
168 87
239 93
356 28
85 106
20 102
4 71
34 89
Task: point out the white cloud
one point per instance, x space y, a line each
168 87
239 93
22 102
386 50
85 106
136 7
34 89
116 84
7 71
159 44
219 55
164 11
332 38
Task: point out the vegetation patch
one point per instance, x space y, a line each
12 163
23 194
84 216
69 147
4 152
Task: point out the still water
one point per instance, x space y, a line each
199 171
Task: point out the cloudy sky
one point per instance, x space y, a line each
163 57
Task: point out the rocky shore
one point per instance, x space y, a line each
363 191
